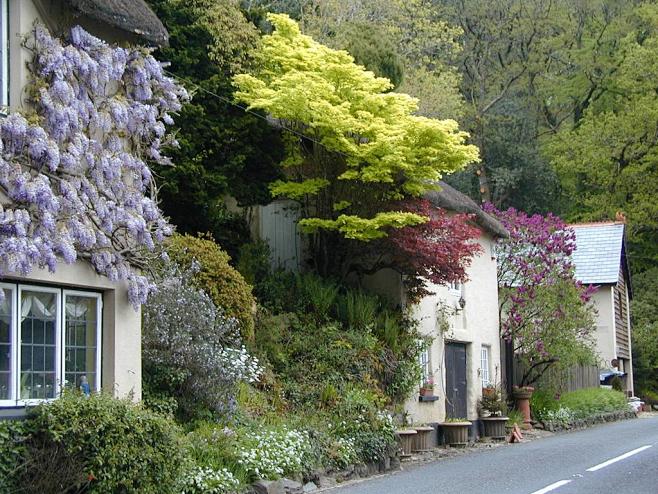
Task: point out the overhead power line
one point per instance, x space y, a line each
269 120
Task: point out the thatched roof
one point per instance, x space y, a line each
453 200
133 16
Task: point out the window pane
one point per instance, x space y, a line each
81 326
484 366
38 313
5 345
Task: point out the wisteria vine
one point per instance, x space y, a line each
75 181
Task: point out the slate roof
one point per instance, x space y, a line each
134 16
599 252
451 199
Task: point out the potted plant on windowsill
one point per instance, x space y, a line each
492 408
427 388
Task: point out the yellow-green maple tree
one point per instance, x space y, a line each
357 147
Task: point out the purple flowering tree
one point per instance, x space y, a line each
75 181
546 315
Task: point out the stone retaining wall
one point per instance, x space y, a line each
587 422
323 478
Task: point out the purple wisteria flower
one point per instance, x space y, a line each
75 181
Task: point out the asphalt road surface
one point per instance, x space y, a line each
617 458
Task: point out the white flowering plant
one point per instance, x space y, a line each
562 416
341 452
191 350
275 453
365 427
206 480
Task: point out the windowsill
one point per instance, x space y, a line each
24 403
427 399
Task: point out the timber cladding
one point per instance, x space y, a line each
622 330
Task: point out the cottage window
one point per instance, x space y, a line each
49 338
4 55
425 366
455 288
484 367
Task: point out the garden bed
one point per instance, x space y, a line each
556 426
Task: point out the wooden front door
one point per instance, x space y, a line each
456 405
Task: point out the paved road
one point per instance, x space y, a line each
612 458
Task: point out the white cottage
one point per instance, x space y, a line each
74 325
600 260
462 321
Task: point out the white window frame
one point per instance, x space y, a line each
4 55
425 364
485 366
99 331
58 342
455 288
61 293
13 339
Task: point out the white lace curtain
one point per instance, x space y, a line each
40 305
5 304
77 307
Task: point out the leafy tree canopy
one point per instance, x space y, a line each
546 315
423 41
607 162
644 313
377 149
223 150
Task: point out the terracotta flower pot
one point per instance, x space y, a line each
488 392
426 391
522 398
522 393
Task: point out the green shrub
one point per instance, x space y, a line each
12 452
319 294
515 417
358 310
617 383
492 402
224 284
593 401
254 262
336 356
363 426
213 446
542 402
116 445
649 396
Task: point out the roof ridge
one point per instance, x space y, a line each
596 223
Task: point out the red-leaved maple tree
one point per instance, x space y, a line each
437 252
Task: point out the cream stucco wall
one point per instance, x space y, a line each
475 325
121 345
605 324
606 334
